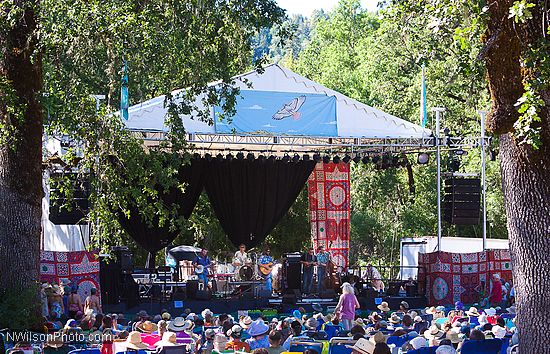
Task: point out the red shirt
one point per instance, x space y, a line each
496 293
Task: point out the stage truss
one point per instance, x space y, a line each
284 144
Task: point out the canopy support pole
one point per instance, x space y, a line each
483 187
438 111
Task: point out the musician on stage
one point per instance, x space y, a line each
241 257
323 257
265 265
373 276
202 260
308 263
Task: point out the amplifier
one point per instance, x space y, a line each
293 257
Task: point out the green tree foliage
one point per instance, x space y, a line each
372 59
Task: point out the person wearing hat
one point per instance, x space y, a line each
208 345
394 319
208 317
55 345
417 343
178 325
472 312
134 341
384 307
147 329
363 346
495 298
445 349
235 342
323 259
403 307
258 332
169 339
347 304
433 334
245 322
55 302
219 343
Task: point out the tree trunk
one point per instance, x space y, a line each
525 170
21 156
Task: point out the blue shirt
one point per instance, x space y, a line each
323 257
258 343
203 261
265 259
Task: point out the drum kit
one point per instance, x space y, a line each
228 275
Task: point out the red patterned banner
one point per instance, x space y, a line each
451 277
329 208
79 267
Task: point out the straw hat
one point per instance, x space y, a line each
363 346
236 330
418 342
498 331
431 310
177 325
245 322
168 339
378 337
220 341
147 327
359 321
57 290
257 328
55 341
311 323
472 312
383 307
453 337
166 316
417 319
206 312
394 319
134 341
490 312
482 319
433 332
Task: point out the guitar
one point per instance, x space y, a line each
266 269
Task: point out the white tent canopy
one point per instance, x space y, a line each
354 119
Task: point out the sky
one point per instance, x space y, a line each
306 7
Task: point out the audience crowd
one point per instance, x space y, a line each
378 332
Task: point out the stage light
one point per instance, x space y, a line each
295 158
208 157
240 155
357 158
326 159
365 159
229 157
219 157
317 157
336 159
346 159
305 157
286 158
423 158
250 156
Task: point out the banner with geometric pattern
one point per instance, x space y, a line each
78 267
451 277
329 209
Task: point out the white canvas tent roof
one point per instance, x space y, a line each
354 119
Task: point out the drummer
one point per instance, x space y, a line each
241 257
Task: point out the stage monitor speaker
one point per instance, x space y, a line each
462 201
293 276
289 299
328 294
179 294
68 211
192 287
204 295
393 288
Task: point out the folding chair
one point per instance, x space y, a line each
339 345
486 346
425 350
176 349
301 346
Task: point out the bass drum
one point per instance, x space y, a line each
246 273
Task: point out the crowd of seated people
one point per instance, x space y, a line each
379 331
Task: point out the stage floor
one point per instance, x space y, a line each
282 305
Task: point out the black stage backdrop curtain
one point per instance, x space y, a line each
153 237
250 197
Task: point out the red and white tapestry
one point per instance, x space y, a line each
78 267
451 277
329 209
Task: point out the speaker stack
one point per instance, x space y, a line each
117 283
461 204
292 276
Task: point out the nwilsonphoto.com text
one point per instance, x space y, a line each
14 337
